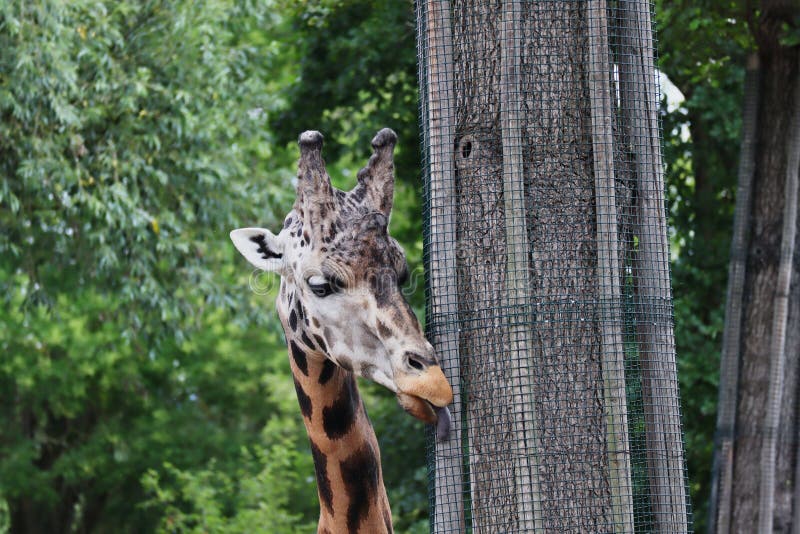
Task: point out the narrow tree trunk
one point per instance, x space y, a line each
28 516
766 503
640 98
780 76
719 508
787 484
787 444
435 43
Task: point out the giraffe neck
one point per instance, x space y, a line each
347 460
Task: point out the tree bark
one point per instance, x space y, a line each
719 509
779 79
29 516
564 355
518 271
482 258
561 204
780 310
608 269
787 490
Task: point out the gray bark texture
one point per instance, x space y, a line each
786 506
656 343
609 269
720 509
779 78
780 312
563 360
485 343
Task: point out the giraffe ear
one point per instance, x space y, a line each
260 247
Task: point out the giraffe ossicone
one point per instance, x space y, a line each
344 314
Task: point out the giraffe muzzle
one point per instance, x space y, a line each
428 413
429 384
425 395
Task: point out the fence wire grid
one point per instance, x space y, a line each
548 285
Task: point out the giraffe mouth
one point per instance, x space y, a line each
427 412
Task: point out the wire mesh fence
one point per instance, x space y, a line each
548 286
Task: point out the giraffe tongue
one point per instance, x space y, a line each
427 412
443 423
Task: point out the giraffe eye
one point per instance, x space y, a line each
322 286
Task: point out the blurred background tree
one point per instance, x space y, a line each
702 50
144 385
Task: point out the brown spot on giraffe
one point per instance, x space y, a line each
360 478
340 416
321 344
323 482
299 357
304 400
340 303
328 368
383 330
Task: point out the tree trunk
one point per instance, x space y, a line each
780 311
563 361
609 269
544 218
719 509
639 102
485 346
518 288
779 79
28 516
786 464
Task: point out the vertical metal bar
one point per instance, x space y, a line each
517 274
609 273
654 297
721 484
435 43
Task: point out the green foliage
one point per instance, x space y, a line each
790 33
129 134
212 501
357 64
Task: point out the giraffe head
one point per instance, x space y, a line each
342 274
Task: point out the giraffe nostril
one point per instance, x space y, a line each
415 361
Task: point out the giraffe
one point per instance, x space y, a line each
344 316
